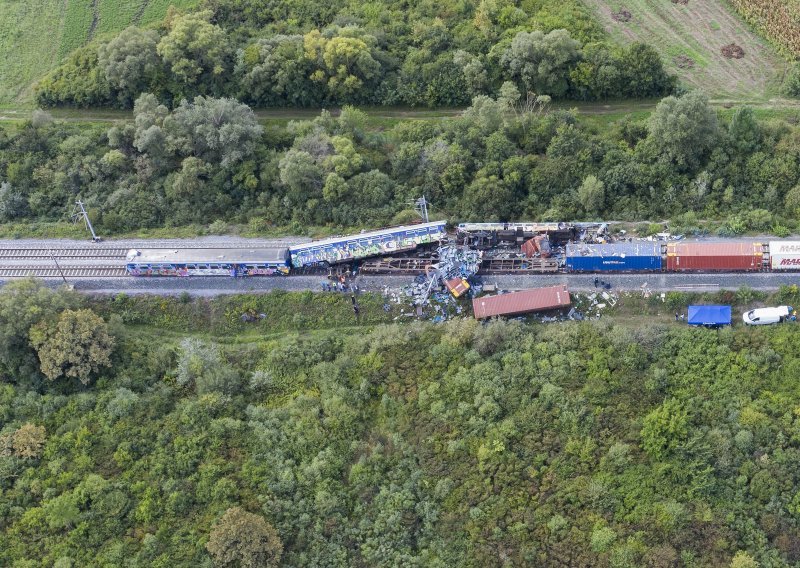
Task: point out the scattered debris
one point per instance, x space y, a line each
683 62
595 303
538 245
683 2
732 51
458 262
428 295
623 15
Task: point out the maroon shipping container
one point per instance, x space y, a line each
526 301
714 256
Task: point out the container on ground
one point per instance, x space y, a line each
714 256
614 257
522 302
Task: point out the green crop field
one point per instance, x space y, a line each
36 34
690 37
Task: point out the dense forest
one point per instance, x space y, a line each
321 53
512 155
174 427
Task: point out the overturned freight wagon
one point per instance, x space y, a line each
523 302
622 257
735 256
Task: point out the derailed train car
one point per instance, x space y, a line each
363 245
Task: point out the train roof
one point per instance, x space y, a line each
208 255
530 226
636 248
368 235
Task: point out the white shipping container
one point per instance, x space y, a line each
784 255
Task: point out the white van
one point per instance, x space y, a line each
766 316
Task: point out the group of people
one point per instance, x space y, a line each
339 284
600 284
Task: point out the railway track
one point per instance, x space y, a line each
63 253
40 271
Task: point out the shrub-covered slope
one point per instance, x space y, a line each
575 444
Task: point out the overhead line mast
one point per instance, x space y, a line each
80 212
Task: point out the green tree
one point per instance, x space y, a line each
542 62
222 131
201 365
475 75
23 305
683 130
196 52
743 560
345 65
245 540
791 82
792 201
591 195
642 73
149 136
130 62
275 72
301 174
665 429
79 81
76 345
62 511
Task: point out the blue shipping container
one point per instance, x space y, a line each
709 315
614 257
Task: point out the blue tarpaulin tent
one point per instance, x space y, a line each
709 315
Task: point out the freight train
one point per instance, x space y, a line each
381 250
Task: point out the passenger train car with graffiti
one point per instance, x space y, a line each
508 247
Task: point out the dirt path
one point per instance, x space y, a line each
698 30
591 109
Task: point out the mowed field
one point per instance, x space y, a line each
690 37
36 34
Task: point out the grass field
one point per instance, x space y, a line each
36 34
698 31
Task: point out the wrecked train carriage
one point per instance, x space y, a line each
335 250
490 235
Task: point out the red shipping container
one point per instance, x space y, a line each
523 302
714 256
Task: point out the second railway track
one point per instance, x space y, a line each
63 253
41 271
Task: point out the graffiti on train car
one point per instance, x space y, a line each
341 252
